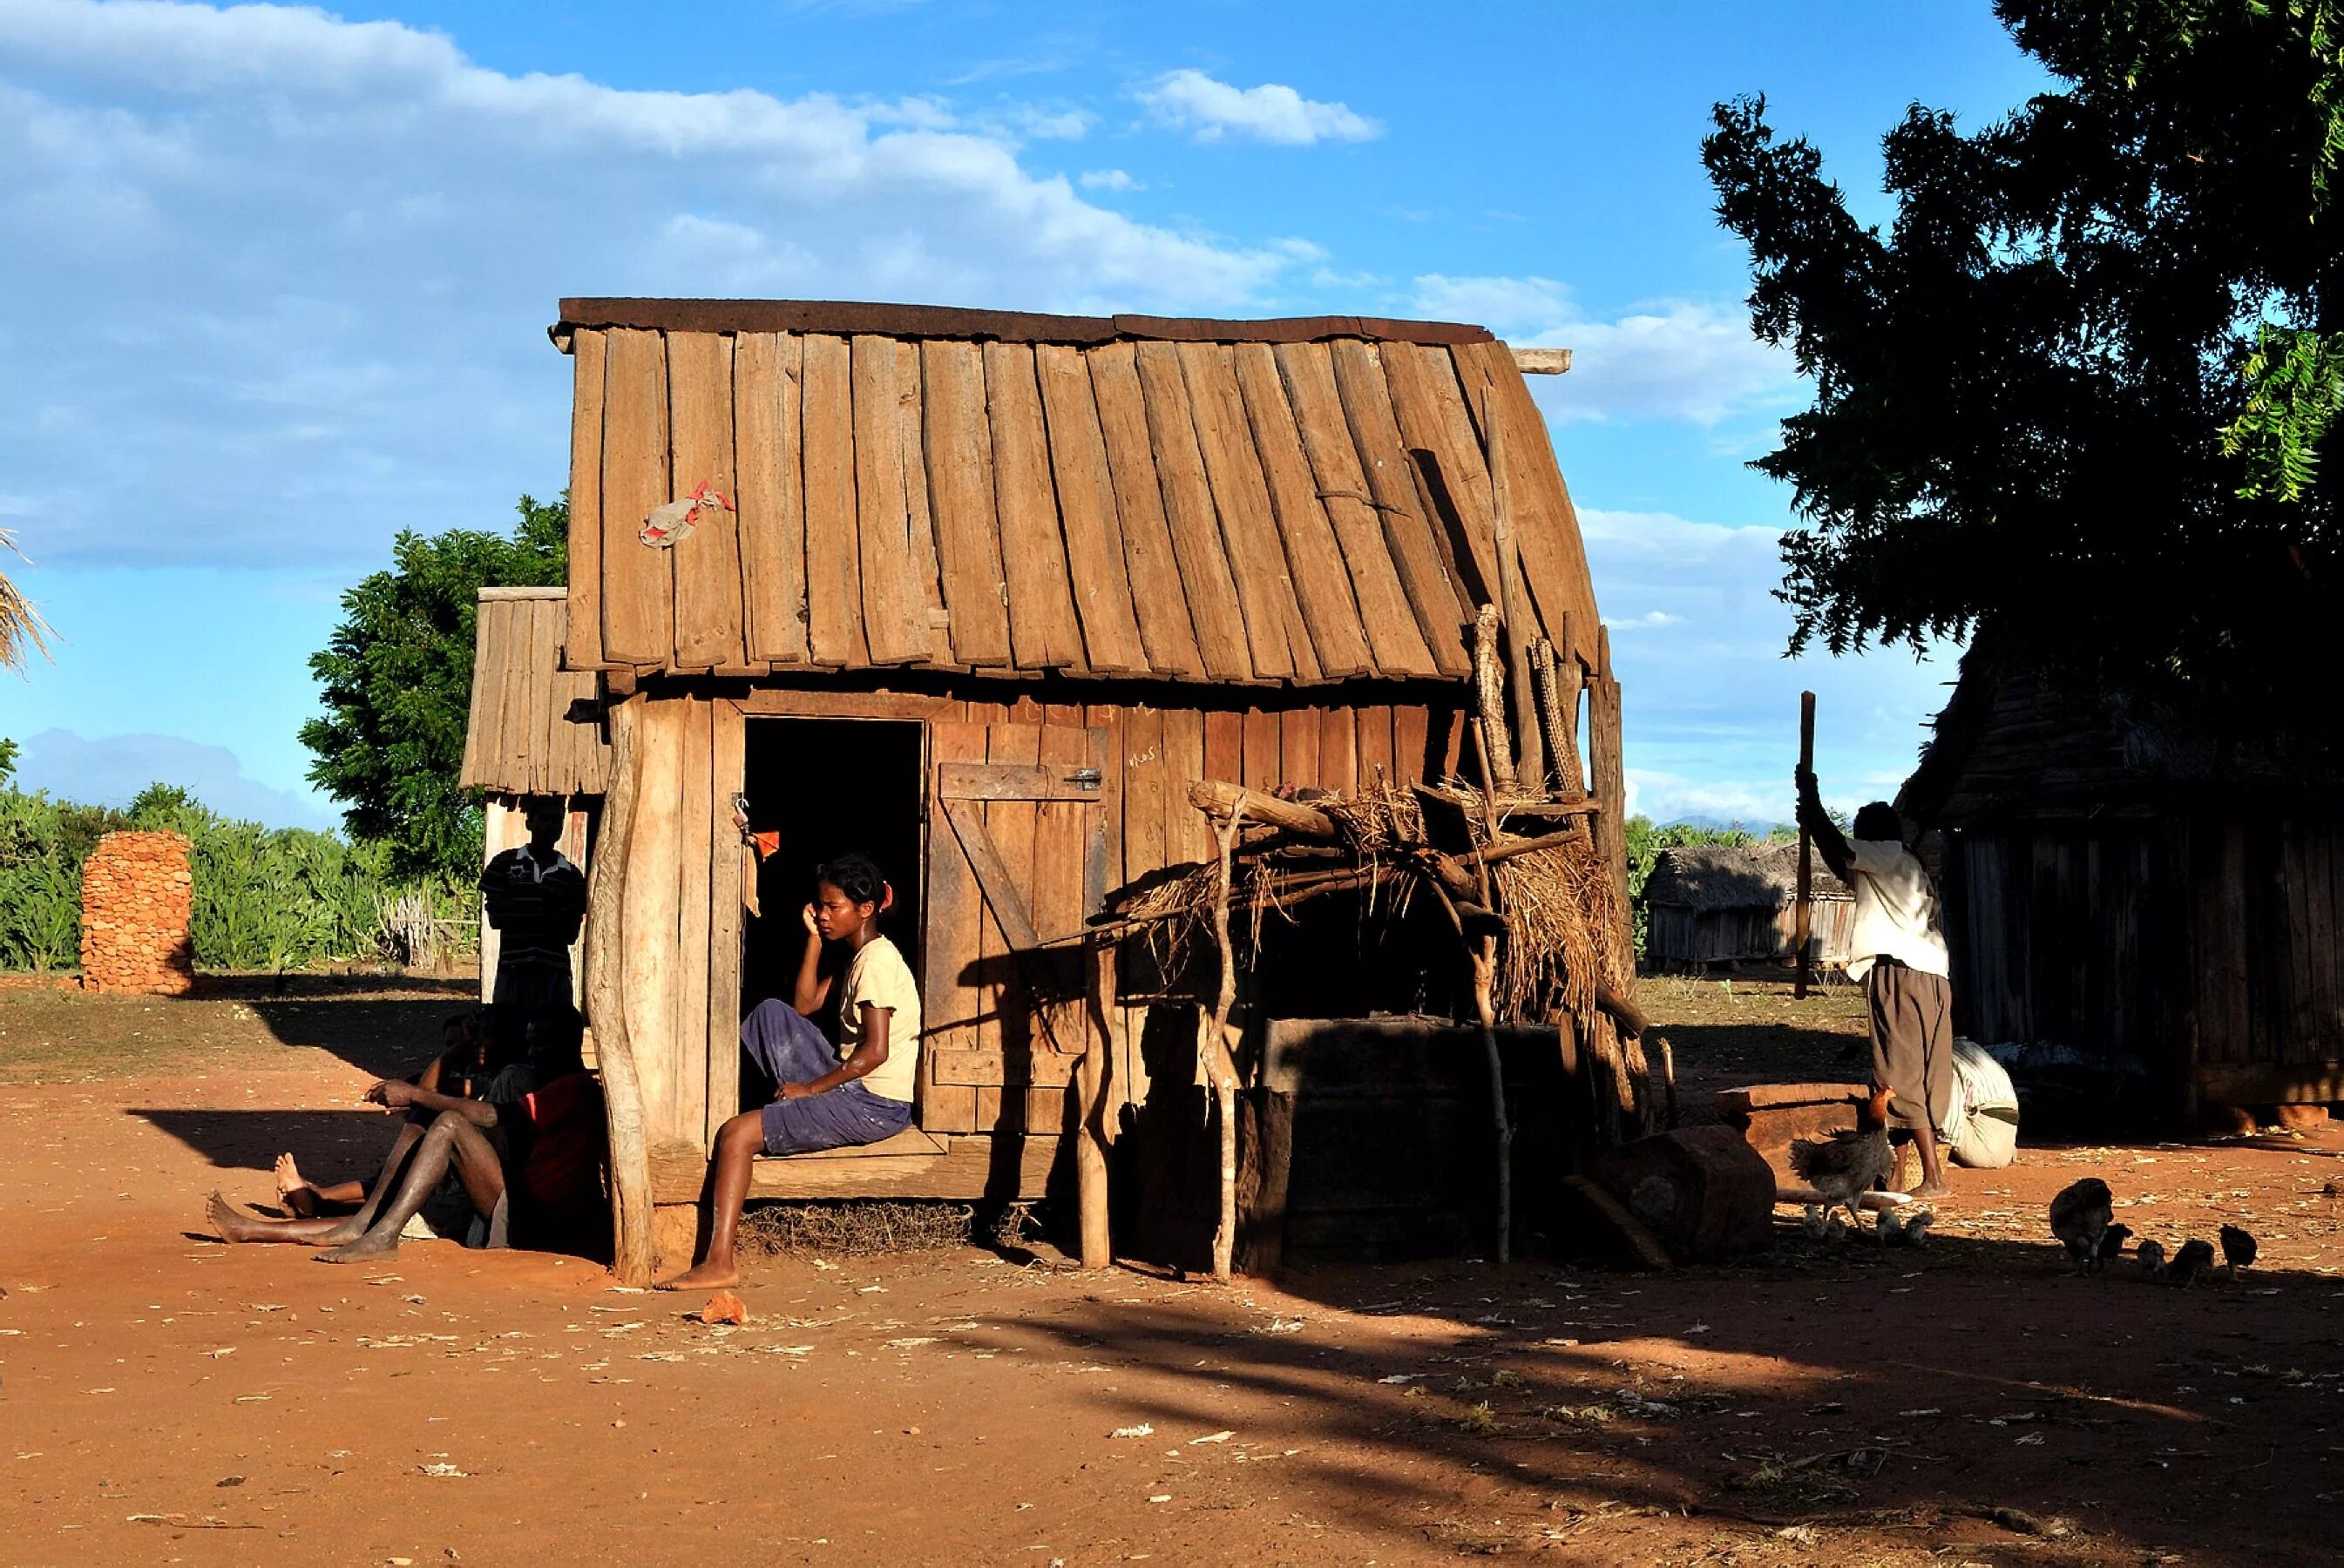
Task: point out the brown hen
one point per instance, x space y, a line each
1849 1164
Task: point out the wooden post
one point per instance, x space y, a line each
1489 702
1485 954
1090 1135
1221 1057
1514 602
606 958
1605 761
1802 926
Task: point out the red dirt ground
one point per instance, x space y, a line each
164 1398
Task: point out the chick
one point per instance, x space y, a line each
2192 1263
1812 1221
2079 1215
1916 1229
2151 1256
2237 1248
1835 1227
2112 1242
1887 1229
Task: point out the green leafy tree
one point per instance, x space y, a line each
396 682
2074 395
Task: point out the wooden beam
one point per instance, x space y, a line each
1215 798
1542 361
2270 1083
1016 781
606 986
993 879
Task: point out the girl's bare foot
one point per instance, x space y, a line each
708 1276
231 1225
292 1190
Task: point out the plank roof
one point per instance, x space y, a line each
1295 502
520 738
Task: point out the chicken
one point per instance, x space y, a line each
2079 1216
1835 1227
2112 1241
2151 1256
1812 1221
2192 1263
2237 1248
1887 1229
1847 1165
1916 1229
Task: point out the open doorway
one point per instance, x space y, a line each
829 787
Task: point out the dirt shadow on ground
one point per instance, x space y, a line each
329 1145
1794 1389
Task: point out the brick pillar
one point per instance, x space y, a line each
138 898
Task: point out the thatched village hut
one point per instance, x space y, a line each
1711 904
534 730
2138 910
986 595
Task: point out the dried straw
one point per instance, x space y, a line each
20 621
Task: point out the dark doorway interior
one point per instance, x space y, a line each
829 787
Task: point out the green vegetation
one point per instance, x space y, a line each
2087 367
265 898
397 683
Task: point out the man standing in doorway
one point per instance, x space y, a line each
536 899
1897 954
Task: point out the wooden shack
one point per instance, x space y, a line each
1711 904
2132 898
534 730
984 594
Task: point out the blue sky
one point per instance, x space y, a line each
274 281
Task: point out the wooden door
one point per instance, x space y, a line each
1018 845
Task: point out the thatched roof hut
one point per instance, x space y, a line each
1022 580
1722 904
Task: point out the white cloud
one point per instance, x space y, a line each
1649 619
110 769
1688 361
1213 110
285 277
1107 180
1052 124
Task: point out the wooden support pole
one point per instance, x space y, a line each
1514 603
1802 928
1219 800
1604 752
1485 954
1490 704
1090 1133
1571 779
606 958
1220 1054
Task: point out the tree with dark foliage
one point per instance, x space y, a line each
397 685
2075 398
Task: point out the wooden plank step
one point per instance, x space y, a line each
912 1164
1769 1096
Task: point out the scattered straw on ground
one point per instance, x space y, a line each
857 1228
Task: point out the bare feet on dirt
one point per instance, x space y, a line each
292 1190
702 1278
231 1225
367 1248
1930 1190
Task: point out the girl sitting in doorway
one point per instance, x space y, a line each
825 1098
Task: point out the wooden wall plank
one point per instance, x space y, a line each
1224 748
834 574
1044 630
950 997
1322 583
1057 892
508 646
693 923
1275 635
582 636
912 460
483 759
894 609
1441 611
544 620
655 957
1086 509
1430 407
1196 528
1160 601
638 582
1263 763
1398 644
1012 1027
1186 836
959 448
1298 747
1410 728
707 564
1374 742
727 774
1554 561
767 431
1338 753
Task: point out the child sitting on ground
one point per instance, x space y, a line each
859 1092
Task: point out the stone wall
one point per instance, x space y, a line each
138 898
